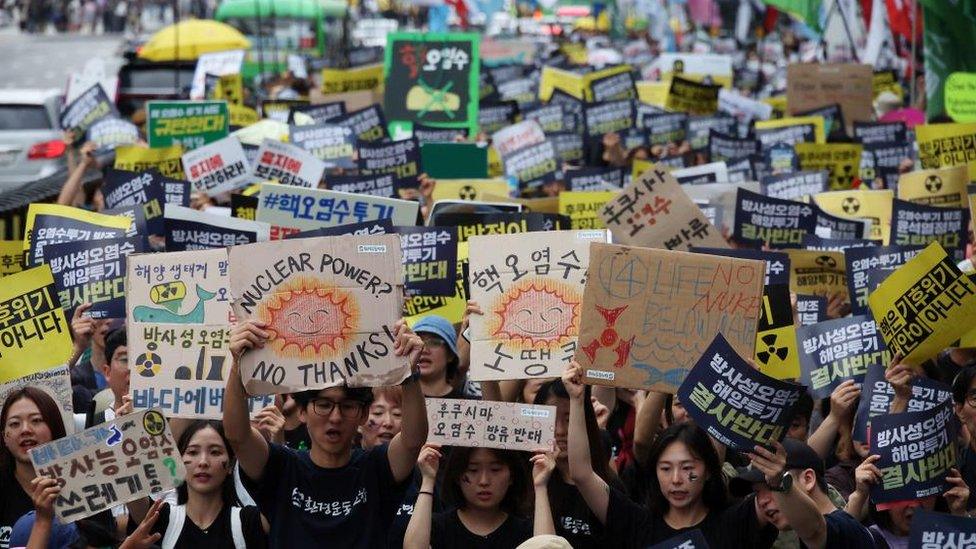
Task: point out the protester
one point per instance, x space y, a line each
440 373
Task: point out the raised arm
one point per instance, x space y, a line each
801 511
406 445
250 447
595 491
866 475
842 402
418 530
646 424
69 192
900 376
542 465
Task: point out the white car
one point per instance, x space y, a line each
31 142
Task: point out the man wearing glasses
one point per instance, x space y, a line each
329 494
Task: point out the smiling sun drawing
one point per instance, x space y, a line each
308 320
537 313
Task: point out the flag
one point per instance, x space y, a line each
900 17
949 27
807 11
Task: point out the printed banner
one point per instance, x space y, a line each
308 209
429 260
333 145
837 350
930 530
369 77
488 424
918 225
218 167
877 396
54 224
136 158
862 261
191 124
178 288
288 165
189 229
92 271
776 222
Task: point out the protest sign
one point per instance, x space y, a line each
813 85
469 189
432 78
790 131
517 136
777 263
533 166
917 450
429 260
333 145
692 97
647 319
108 133
713 172
56 382
307 209
743 109
810 309
608 117
383 185
880 132
318 114
816 272
217 63
841 228
181 369
794 186
329 304
552 79
931 530
918 225
946 145
695 66
664 128
121 188
815 242
11 257
778 223
924 305
960 96
368 77
553 118
568 147
191 124
367 124
136 158
426 134
400 158
92 271
834 351
610 84
861 261
494 117
653 211
833 119
110 464
882 161
55 223
735 403
700 127
279 110
243 207
454 160
229 87
842 160
877 396
382 226
90 107
178 288
288 165
592 179
936 187
488 424
727 147
33 331
218 167
530 290
452 308
874 206
520 90
582 207
189 229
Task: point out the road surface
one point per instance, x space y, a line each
44 61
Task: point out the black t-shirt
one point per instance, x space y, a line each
298 439
447 531
219 534
14 503
967 468
350 506
572 517
845 532
630 525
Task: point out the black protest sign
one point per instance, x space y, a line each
793 186
634 138
429 260
740 170
786 135
834 351
700 128
777 222
917 450
692 97
175 191
332 144
138 225
877 395
380 226
320 114
931 530
810 309
882 161
534 165
778 160
736 404
842 227
375 185
279 110
473 224
367 124
613 87
777 263
188 229
428 134
815 242
244 206
523 91
553 118
568 147
92 271
109 133
87 109
664 128
688 539
726 147
880 132
833 118
918 224
495 116
571 104
861 261
608 117
121 188
593 179
55 229
401 159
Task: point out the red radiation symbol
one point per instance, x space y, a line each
609 336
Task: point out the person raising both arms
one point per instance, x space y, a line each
330 494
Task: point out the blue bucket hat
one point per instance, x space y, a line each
440 327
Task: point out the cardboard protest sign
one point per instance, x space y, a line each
810 309
11 257
592 179
608 117
55 223
217 63
308 209
333 145
368 77
400 158
776 349
189 229
877 396
383 185
874 206
191 124
178 288
34 333
429 260
735 403
917 450
861 261
432 78
924 305
777 263
181 369
87 109
218 167
946 145
834 351
918 225
530 290
930 530
813 85
108 133
489 424
136 158
288 165
774 221
110 464
815 272
692 97
582 207
92 271
533 166
936 187
842 160
56 382
795 185
653 211
645 324
329 303
469 189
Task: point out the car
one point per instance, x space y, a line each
32 146
141 81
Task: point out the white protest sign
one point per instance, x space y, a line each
310 209
516 136
217 63
288 165
488 424
56 382
218 167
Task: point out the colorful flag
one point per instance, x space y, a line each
807 11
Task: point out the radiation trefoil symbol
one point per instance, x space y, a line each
609 336
850 205
933 184
771 350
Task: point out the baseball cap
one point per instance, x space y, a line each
440 327
62 535
799 455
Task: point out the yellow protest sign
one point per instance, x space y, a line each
653 93
230 87
11 257
33 331
451 308
137 158
495 166
937 187
819 133
692 97
241 116
816 272
960 96
841 160
776 351
887 81
575 52
582 207
553 79
369 77
872 205
589 78
945 145
924 306
779 105
468 189
640 166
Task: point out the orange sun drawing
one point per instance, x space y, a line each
537 313
308 319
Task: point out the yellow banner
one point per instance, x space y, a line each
776 351
591 77
937 187
557 79
137 158
77 214
582 207
779 105
640 166
842 160
495 167
241 116
924 306
872 205
369 77
815 272
653 93
819 133
230 88
468 189
451 308
11 257
945 145
34 334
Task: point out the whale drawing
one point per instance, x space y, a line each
145 313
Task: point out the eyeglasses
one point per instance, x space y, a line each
433 342
348 409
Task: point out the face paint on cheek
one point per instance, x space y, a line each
465 479
692 477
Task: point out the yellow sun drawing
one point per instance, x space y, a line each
309 319
537 313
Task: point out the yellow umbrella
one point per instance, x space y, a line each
195 37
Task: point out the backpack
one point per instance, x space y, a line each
177 517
